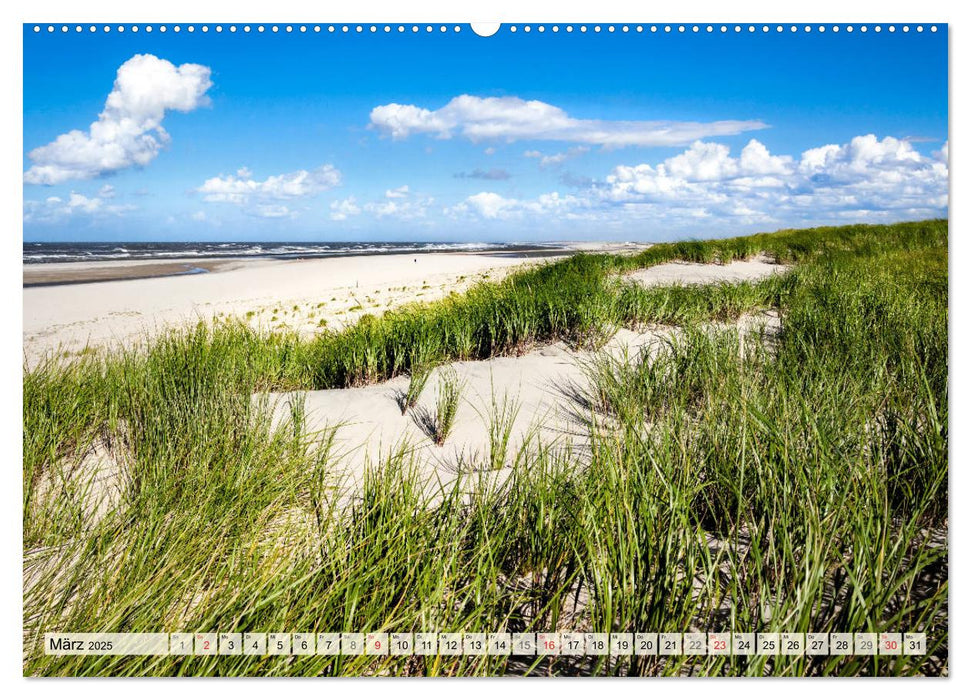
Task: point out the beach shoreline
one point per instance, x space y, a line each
47 273
72 308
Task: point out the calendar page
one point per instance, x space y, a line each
438 349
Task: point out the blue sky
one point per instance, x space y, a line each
451 136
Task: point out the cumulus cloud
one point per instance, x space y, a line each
703 161
398 203
344 208
480 174
53 209
866 179
512 119
863 156
242 189
128 132
397 209
398 206
491 205
756 160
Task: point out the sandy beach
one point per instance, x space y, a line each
70 309
302 295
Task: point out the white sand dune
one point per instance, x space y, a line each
700 273
371 427
548 388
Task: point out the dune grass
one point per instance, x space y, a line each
500 418
417 379
797 484
447 404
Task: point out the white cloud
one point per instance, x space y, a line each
703 161
886 178
198 216
78 202
242 189
556 158
128 132
756 160
344 208
630 181
491 205
860 158
56 208
864 180
398 203
512 118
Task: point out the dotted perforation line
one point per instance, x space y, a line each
252 28
512 28
716 28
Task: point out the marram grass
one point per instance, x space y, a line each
798 484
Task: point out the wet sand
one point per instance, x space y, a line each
108 271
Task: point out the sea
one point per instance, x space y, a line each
39 253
